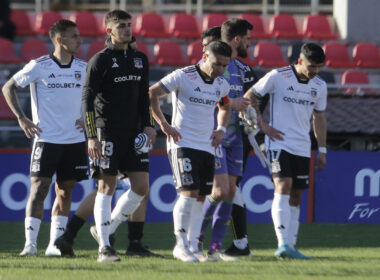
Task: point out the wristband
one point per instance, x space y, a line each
222 128
322 150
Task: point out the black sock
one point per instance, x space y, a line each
72 228
135 231
239 221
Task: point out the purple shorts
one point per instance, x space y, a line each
229 160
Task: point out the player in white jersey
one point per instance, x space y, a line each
297 94
59 146
196 90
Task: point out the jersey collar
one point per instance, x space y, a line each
200 74
297 76
59 64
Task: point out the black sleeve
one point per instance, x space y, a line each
145 111
94 77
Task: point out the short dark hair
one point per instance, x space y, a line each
219 47
213 32
60 27
313 53
116 15
234 27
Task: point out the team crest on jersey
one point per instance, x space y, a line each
138 63
78 75
217 93
187 179
313 92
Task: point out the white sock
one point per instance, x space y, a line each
181 218
294 225
195 226
57 228
281 217
125 206
32 227
102 216
241 243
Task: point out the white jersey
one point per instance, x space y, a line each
194 101
292 102
56 93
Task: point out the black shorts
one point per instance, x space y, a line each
118 154
284 164
192 169
68 161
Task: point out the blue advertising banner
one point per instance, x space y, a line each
347 191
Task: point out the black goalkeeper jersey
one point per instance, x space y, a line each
116 91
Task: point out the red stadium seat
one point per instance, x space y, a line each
22 22
194 52
183 25
258 31
142 47
95 46
337 55
248 60
151 25
366 55
7 52
211 20
5 112
169 53
283 26
318 27
268 54
356 77
32 49
87 24
45 20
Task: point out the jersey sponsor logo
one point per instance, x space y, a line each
78 75
202 101
63 85
127 78
236 87
298 101
114 65
138 63
51 76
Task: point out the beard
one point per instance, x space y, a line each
242 51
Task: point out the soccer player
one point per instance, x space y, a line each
196 90
115 101
86 209
211 34
59 146
229 155
297 94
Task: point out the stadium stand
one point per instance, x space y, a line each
258 31
33 48
283 26
194 52
318 27
366 55
268 54
337 55
23 26
151 25
183 25
46 19
356 77
7 52
5 112
213 19
87 24
327 76
169 53
94 47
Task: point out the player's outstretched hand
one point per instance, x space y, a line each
171 132
273 134
320 162
216 137
94 148
240 103
151 132
29 128
79 124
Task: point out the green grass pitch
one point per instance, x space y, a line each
339 251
